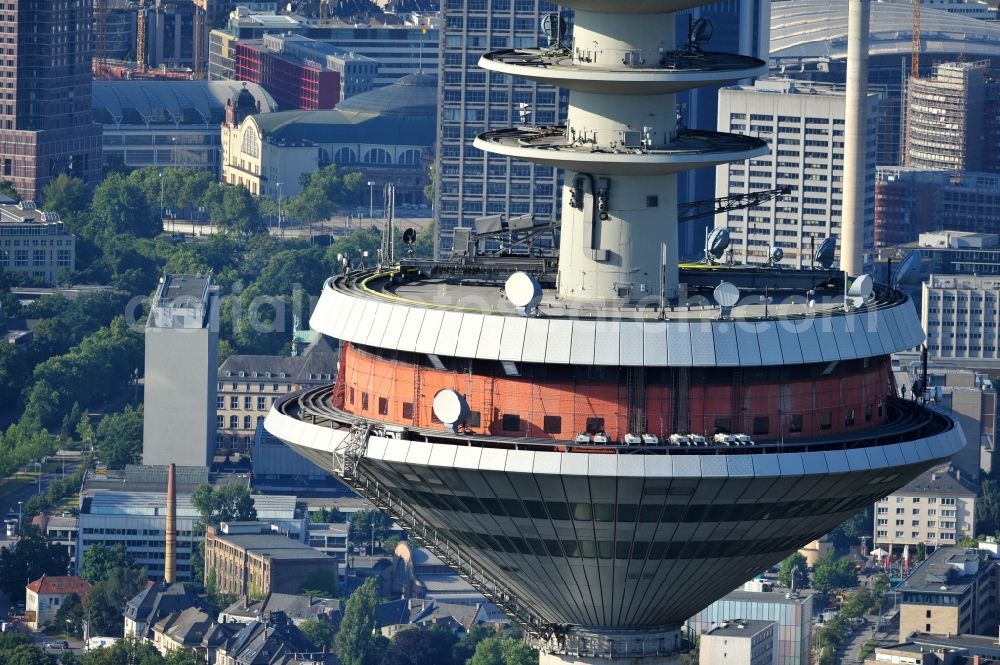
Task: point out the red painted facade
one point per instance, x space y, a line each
293 84
749 400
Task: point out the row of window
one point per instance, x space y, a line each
248 402
628 512
944 535
234 422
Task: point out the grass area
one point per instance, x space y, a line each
868 648
11 484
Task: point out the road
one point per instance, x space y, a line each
9 499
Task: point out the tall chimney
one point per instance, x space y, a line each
170 554
852 227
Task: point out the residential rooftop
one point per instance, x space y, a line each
271 546
948 571
740 628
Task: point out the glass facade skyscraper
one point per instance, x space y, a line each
470 183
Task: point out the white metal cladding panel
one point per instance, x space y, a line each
493 459
679 343
546 462
746 342
805 330
876 457
489 338
791 464
414 319
890 318
888 345
788 339
857 460
582 349
535 338
654 344
393 331
342 309
630 344
429 330
468 335
520 461
379 323
633 466
765 465
770 345
558 344
893 454
909 325
659 466
357 313
468 458
447 340
814 463
419 452
845 347
329 313
702 344
687 465
726 353
825 335
606 337
602 465
859 335
869 323
714 465
512 338
836 461
360 334
739 465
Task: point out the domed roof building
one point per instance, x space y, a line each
388 134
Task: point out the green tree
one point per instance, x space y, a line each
325 515
324 192
968 542
321 582
357 642
26 654
360 526
70 616
988 507
236 212
119 438
128 651
120 208
416 646
503 651
229 503
69 197
7 189
831 573
793 562
320 632
107 599
28 559
100 561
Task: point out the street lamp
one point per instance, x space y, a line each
161 196
371 200
19 518
39 465
281 231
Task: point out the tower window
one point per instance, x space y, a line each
795 423
595 425
653 201
723 425
511 422
552 424
383 406
761 424
408 410
825 420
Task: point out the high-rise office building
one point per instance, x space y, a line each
182 348
46 124
805 124
469 182
946 120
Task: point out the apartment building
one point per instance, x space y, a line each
937 508
34 243
952 592
744 641
961 316
804 123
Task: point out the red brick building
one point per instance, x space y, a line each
294 83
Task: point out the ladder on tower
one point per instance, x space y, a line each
349 464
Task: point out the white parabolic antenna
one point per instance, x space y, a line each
726 294
523 291
862 287
450 407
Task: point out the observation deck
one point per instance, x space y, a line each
604 152
657 73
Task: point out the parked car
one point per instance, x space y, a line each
57 644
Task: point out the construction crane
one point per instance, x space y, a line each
688 211
140 42
915 55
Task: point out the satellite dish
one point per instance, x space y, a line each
776 255
409 236
523 291
726 294
450 408
554 27
827 251
908 269
701 31
862 287
717 243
